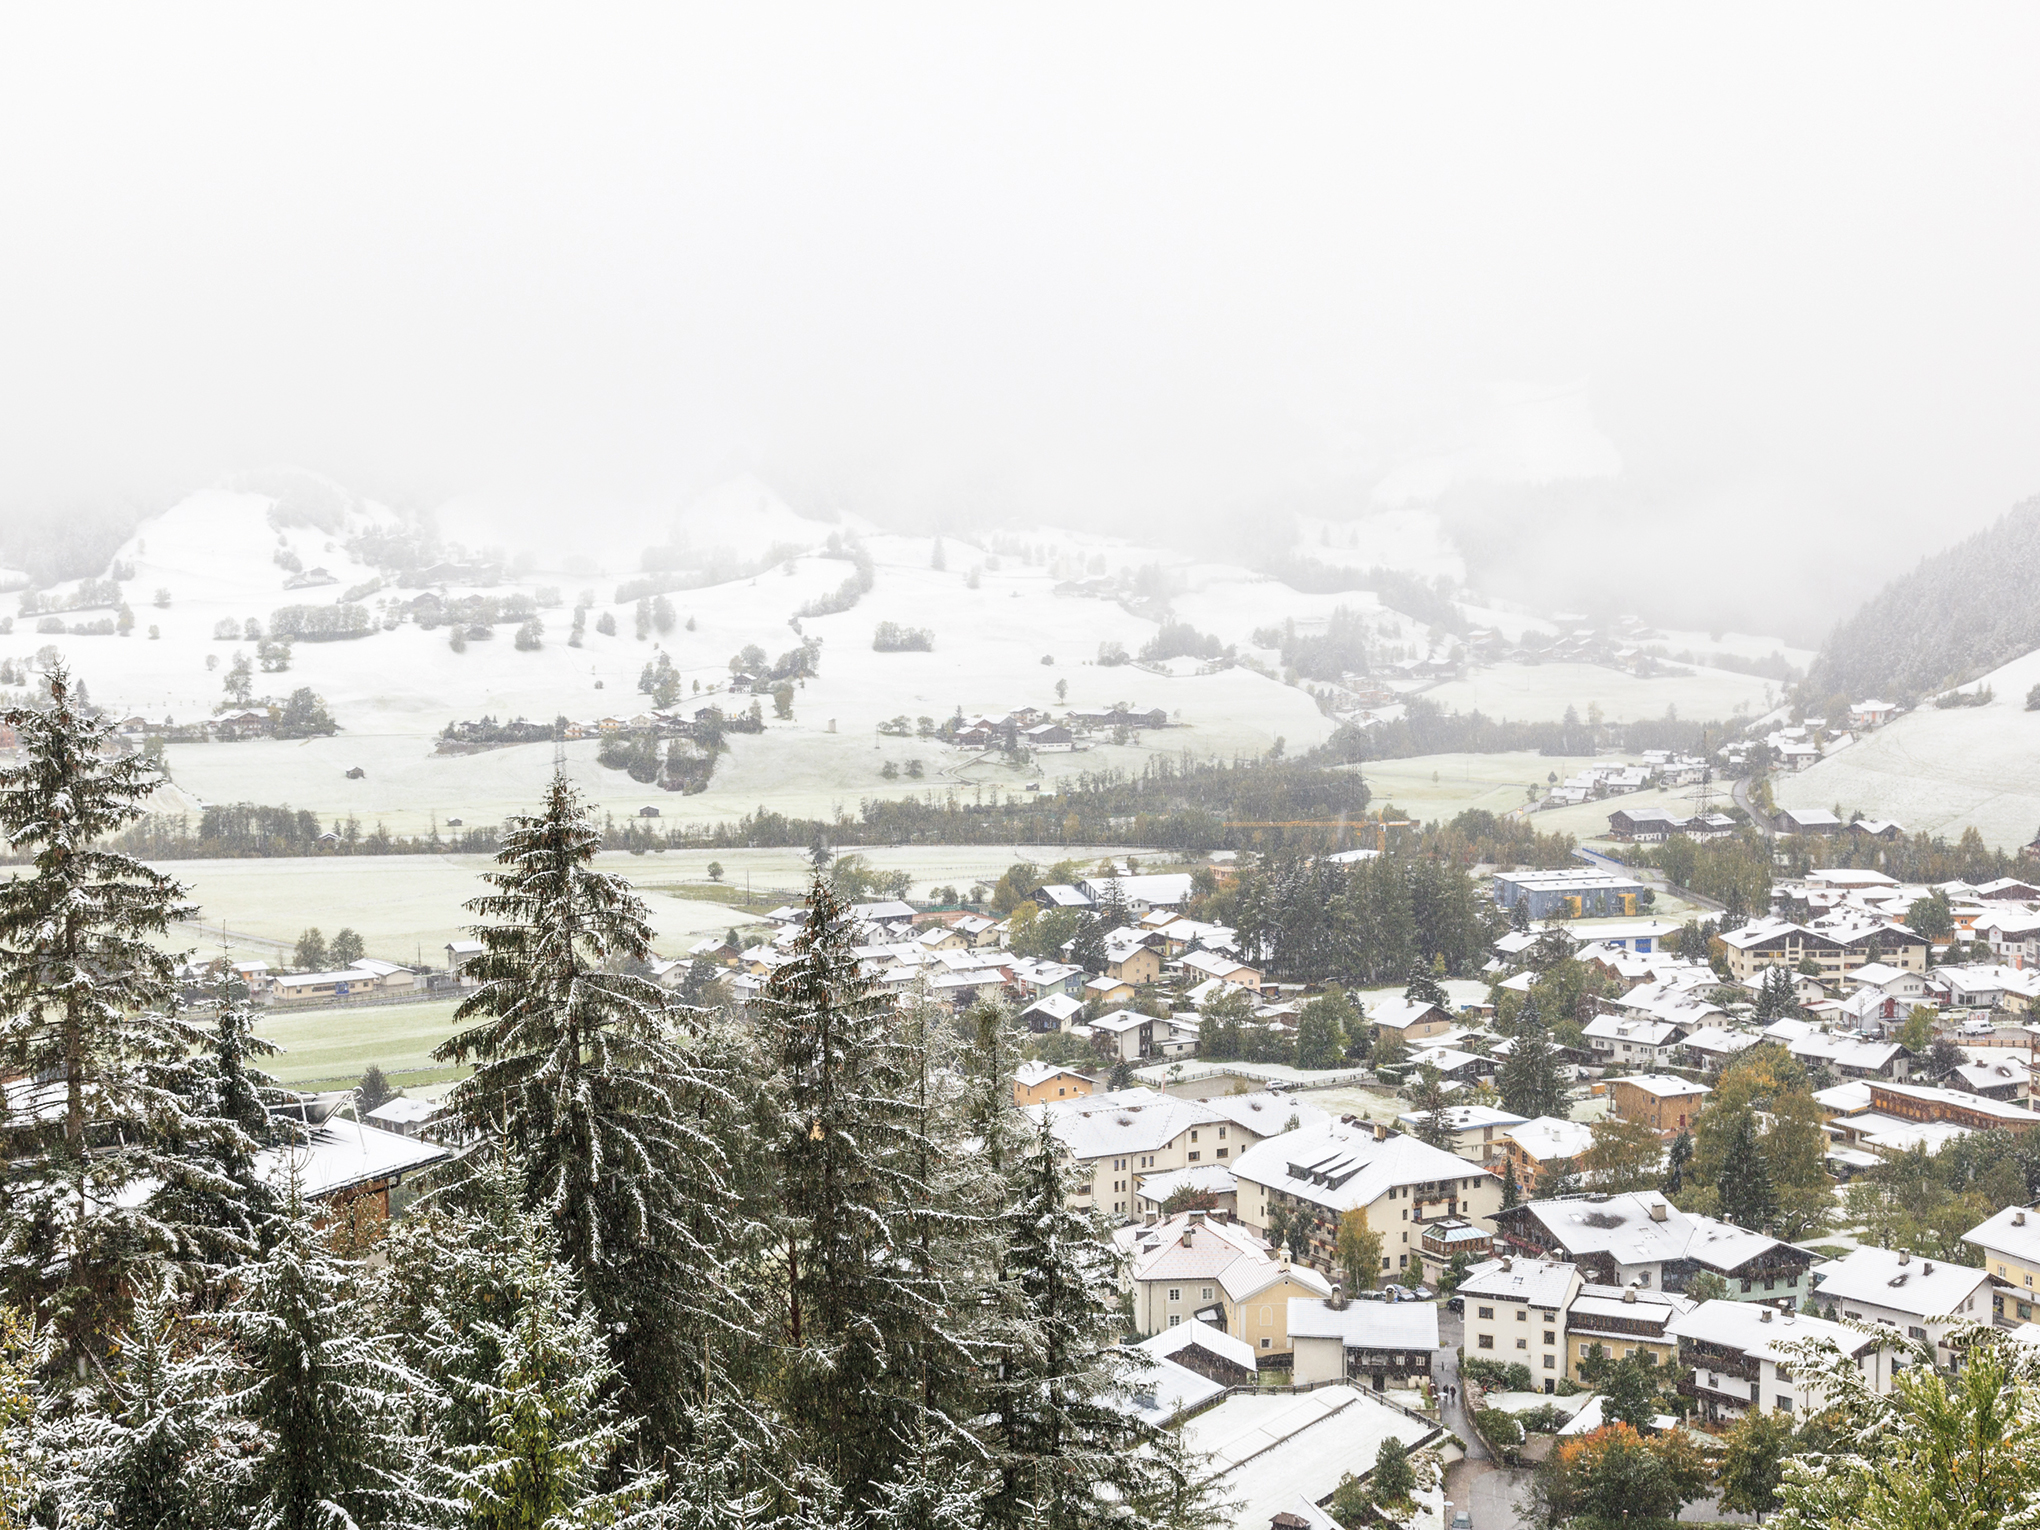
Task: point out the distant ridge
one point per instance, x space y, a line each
1960 614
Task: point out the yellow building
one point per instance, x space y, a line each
2011 1256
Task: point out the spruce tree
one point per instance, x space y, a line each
553 1434
1512 1194
1749 1198
1423 987
323 1388
1528 1078
581 1073
851 1148
1056 1434
87 1011
1433 1110
148 1450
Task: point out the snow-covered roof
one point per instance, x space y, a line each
1650 1033
1763 1332
1342 1167
1031 1074
1537 1282
2013 1232
1193 1246
1366 1325
1544 1138
1245 1280
1663 1085
1204 1336
1399 1014
1623 1227
1124 1121
341 1154
1266 1114
1462 1118
1903 1282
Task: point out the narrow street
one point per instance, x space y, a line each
1479 1484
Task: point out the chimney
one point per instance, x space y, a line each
1927 1268
1338 1301
1507 1262
1904 1257
1189 1234
1381 1131
1657 1211
2018 1219
1767 1316
1629 1293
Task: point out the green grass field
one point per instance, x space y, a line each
330 1047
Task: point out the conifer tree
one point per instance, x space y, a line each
553 1434
323 1388
88 1011
148 1450
1433 1109
1749 1197
1529 1078
580 1072
850 1148
1512 1193
1057 1437
1423 987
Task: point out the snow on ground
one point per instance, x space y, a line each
1942 772
406 907
394 691
1744 645
1542 692
1440 786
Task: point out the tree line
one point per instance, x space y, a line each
811 1270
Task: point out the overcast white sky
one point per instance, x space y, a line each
1078 262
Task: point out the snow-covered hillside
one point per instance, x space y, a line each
1009 627
1942 771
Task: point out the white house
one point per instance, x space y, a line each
1922 1299
1740 1356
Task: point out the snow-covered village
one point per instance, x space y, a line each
915 769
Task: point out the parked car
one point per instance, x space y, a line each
1462 1521
1455 1304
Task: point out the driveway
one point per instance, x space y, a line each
1478 1484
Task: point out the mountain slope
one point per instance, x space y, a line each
1963 611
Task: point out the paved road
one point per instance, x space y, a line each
1740 791
1478 1484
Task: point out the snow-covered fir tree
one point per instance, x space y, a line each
1529 1078
1070 1452
553 1433
149 1448
876 1245
87 1011
579 1071
320 1381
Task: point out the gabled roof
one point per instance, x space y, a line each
1342 1167
1125 1121
1901 1281
2013 1232
1547 1137
1196 1335
1366 1325
1400 1014
1623 1227
1764 1332
1265 1114
1538 1282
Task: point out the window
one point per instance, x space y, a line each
1487 1341
1550 1337
1487 1312
1522 1314
1267 1343
1195 1156
1586 1351
1193 1136
1223 1151
1784 1403
1221 1134
1746 1285
1914 1331
1523 1343
1204 1295
1175 1318
1175 1293
1550 1362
